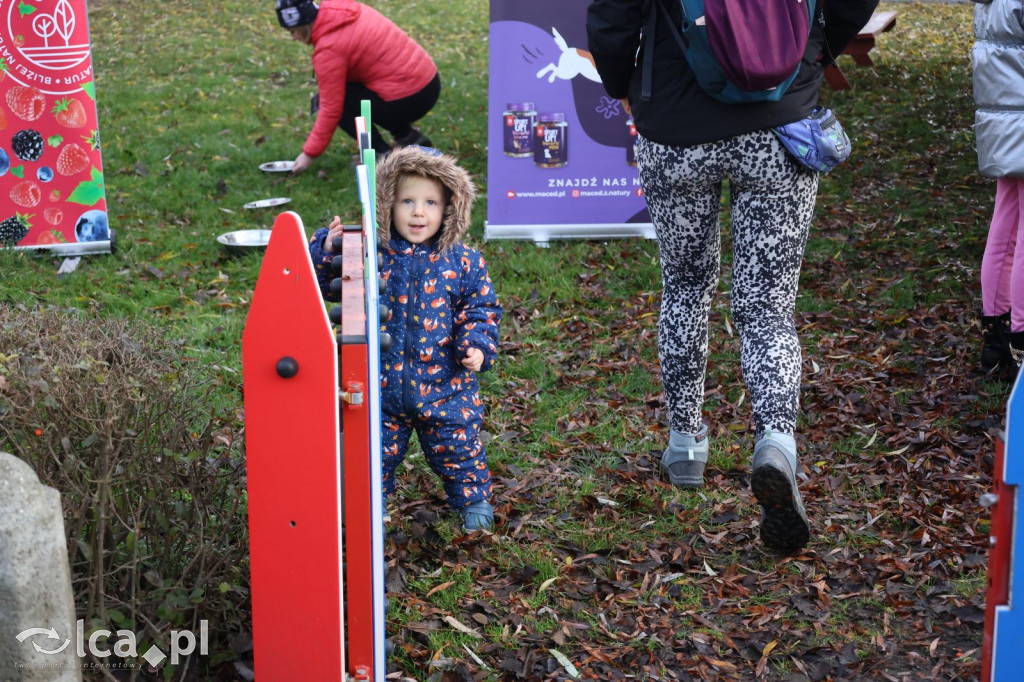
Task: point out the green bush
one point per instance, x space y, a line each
112 415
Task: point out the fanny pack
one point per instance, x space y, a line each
818 141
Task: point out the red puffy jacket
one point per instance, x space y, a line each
354 43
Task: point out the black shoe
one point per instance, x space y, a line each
1016 346
414 137
784 525
995 350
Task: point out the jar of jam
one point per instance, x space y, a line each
518 120
551 141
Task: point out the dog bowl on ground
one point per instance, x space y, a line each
277 166
266 203
244 241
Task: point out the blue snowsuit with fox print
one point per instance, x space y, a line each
442 303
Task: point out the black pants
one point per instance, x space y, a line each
396 116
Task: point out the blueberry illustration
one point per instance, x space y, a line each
44 173
92 227
5 161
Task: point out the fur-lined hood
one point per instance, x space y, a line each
440 167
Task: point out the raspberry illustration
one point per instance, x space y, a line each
70 113
27 145
26 194
72 160
26 102
14 229
53 215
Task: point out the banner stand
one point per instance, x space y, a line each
543 234
561 155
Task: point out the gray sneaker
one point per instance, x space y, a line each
784 525
683 461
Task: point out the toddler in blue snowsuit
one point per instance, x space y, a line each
443 324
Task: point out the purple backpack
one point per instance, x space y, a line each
744 50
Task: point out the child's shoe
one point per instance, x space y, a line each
1016 340
784 525
995 349
683 461
477 516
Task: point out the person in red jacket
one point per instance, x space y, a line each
358 54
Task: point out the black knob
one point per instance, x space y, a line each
338 244
287 367
384 313
336 264
336 286
381 284
380 260
385 341
335 314
389 648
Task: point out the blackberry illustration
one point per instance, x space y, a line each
27 145
13 230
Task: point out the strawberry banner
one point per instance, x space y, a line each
51 175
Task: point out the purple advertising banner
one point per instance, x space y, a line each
560 151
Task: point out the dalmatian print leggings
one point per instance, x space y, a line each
771 200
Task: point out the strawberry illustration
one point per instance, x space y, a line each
26 193
26 102
50 237
53 215
3 68
70 113
55 195
72 159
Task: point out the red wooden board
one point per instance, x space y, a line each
292 457
356 421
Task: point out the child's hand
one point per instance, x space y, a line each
474 359
333 231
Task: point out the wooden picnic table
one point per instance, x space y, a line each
860 47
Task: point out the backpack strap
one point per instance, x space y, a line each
648 30
652 19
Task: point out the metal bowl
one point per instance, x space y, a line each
244 241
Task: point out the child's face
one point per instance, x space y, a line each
419 208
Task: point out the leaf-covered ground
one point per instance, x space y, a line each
598 568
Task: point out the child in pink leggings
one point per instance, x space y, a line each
1002 277
998 61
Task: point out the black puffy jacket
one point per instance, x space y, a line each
678 112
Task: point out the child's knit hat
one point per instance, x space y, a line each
429 163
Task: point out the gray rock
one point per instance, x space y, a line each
35 581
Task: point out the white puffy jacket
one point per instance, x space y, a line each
998 60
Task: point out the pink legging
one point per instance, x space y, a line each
1002 275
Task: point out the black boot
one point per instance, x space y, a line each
995 350
1016 350
415 137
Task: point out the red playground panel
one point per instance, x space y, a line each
360 566
290 370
